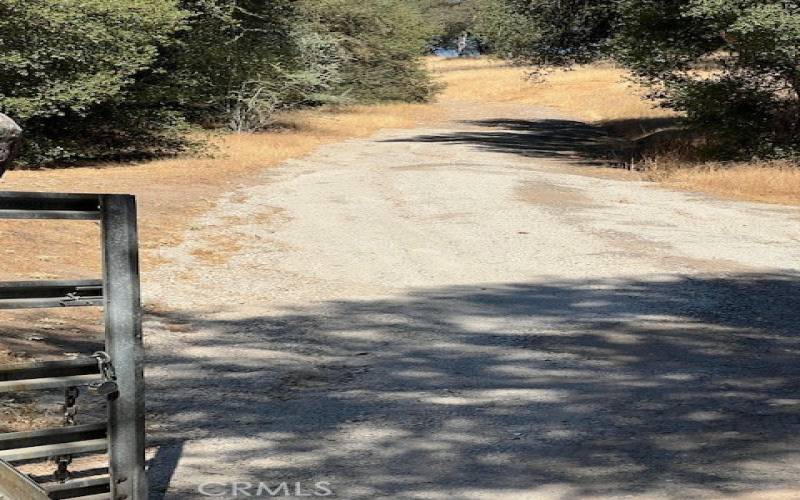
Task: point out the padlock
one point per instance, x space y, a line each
103 388
107 385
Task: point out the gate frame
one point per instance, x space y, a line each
123 331
121 301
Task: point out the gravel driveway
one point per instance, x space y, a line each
460 313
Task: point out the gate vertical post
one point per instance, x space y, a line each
123 330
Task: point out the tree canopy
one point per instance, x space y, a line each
554 32
116 79
733 66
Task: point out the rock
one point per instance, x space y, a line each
10 139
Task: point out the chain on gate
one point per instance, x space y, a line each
106 386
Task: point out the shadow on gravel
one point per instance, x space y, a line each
680 386
561 139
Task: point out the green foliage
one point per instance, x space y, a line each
547 32
117 79
748 99
69 67
383 40
450 19
240 63
733 66
229 57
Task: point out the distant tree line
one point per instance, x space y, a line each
733 66
122 79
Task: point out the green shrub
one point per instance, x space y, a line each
732 65
71 74
121 79
241 62
546 32
384 40
224 67
450 18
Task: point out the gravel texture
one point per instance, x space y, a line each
458 312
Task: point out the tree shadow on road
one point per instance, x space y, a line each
578 142
681 385
611 144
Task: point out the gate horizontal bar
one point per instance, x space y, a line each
15 485
103 496
48 369
79 488
40 384
57 435
36 294
21 205
54 450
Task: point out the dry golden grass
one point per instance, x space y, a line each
603 94
172 191
768 182
595 93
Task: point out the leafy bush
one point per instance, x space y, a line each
384 40
72 74
732 65
240 63
118 79
222 69
546 32
305 71
450 18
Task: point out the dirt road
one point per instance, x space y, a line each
458 312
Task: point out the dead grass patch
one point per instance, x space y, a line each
594 93
218 249
172 192
602 94
767 182
23 416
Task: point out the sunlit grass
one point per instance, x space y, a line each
171 192
772 182
604 94
593 93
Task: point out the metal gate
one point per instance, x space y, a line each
116 372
